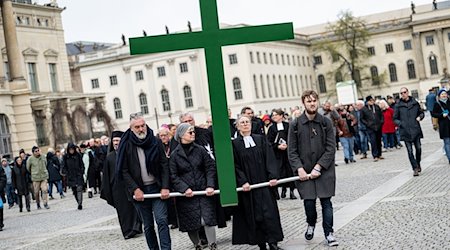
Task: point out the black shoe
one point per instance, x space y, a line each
38 206
352 160
277 196
262 246
346 161
273 246
283 193
28 209
80 207
419 169
173 226
416 172
51 198
292 195
20 210
130 235
90 194
95 191
46 206
309 234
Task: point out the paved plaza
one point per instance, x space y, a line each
378 205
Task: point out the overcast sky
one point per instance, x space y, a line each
107 20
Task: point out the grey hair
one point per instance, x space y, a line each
186 114
358 102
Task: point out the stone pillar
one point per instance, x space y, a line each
152 99
130 101
174 91
12 46
442 54
417 46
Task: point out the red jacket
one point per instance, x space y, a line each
388 125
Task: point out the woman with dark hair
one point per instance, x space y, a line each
20 183
74 170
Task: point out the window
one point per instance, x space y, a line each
269 89
307 61
139 75
301 82
317 60
32 75
165 100
286 85
338 77
411 69
298 61
433 65
275 85
265 58
276 59
5 136
271 58
113 80
40 129
233 59
183 67
371 51
306 82
374 75
258 58
389 48
263 89
255 85
415 94
161 71
322 84
237 89
6 67
95 84
392 72
117 108
334 57
251 57
188 97
292 85
288 60
407 45
303 59
299 91
282 59
293 60
280 82
429 40
143 103
53 76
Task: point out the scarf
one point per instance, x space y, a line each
149 144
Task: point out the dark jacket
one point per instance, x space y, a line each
310 143
197 171
2 180
19 179
73 167
372 119
405 115
53 167
444 122
430 100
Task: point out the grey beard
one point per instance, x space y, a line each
141 135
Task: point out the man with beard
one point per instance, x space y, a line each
114 192
143 166
37 166
311 152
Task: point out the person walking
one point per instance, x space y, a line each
407 116
54 176
9 190
37 166
20 183
2 187
441 112
73 168
372 118
346 130
311 152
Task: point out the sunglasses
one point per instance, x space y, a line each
135 115
191 132
403 92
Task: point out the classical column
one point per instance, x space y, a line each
417 46
201 100
152 100
131 98
174 93
12 46
442 54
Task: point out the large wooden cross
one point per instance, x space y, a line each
211 39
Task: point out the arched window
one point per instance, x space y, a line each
269 89
263 89
275 85
5 136
411 69
165 99
338 77
374 75
237 88
392 72
188 97
280 82
433 65
117 108
322 84
143 102
286 85
255 85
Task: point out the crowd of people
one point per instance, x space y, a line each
180 158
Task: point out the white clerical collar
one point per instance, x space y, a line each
249 142
280 126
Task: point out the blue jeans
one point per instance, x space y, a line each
58 185
9 190
397 134
447 147
347 143
415 161
327 214
363 141
146 209
388 140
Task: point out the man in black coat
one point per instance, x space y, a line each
407 116
114 192
257 124
372 117
2 186
143 166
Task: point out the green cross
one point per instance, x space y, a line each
212 38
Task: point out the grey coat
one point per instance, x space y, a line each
310 143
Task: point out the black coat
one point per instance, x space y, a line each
372 119
257 219
53 167
19 179
195 170
444 122
2 180
275 138
74 169
405 116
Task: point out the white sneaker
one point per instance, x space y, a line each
332 242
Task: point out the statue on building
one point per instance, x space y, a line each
413 8
434 5
124 41
167 30
144 33
189 26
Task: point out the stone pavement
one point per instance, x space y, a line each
378 205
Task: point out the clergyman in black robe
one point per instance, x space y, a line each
114 192
257 219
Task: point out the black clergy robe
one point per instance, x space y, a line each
114 192
257 219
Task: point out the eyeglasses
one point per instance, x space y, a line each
191 132
37 150
187 121
244 122
135 115
403 92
